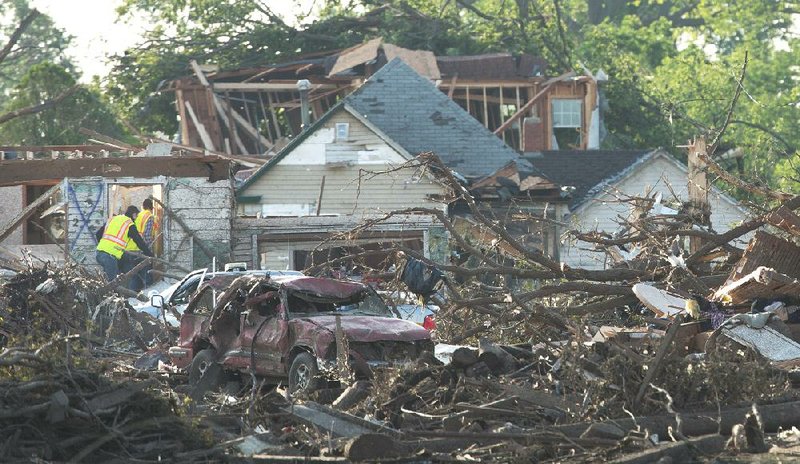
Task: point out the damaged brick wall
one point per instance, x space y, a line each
206 208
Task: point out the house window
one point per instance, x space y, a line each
342 131
251 209
567 117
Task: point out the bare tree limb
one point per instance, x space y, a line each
40 107
729 114
15 36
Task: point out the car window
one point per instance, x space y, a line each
185 291
369 304
204 302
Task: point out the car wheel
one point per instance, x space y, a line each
304 374
205 374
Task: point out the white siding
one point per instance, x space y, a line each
656 175
292 187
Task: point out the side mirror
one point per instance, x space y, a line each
157 301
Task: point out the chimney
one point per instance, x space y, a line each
303 86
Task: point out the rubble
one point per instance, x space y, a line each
677 352
56 411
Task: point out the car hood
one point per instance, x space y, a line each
372 328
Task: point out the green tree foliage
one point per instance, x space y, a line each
58 125
673 65
41 42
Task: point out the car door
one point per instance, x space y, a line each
265 322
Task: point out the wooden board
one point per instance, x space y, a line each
661 302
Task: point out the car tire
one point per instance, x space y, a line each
303 374
205 374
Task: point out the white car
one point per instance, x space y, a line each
409 308
422 315
177 295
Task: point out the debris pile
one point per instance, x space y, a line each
49 300
56 411
684 337
39 302
686 347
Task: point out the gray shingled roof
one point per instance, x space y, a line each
589 171
416 115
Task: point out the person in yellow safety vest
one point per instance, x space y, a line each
145 224
113 238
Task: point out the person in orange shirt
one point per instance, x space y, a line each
113 238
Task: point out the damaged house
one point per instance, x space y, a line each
355 163
598 182
258 110
52 207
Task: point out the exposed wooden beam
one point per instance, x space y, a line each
104 139
463 83
229 124
485 109
502 118
201 129
47 148
452 86
218 103
550 83
20 172
275 122
257 86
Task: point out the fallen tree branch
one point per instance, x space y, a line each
17 34
40 107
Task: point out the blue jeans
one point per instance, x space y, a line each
139 280
109 263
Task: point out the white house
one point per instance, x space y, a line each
597 179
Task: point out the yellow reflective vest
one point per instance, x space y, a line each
141 221
115 238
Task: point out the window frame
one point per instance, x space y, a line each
558 123
342 131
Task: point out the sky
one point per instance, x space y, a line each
92 24
96 34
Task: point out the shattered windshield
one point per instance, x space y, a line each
363 304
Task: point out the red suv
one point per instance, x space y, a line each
284 328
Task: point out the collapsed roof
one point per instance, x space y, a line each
429 122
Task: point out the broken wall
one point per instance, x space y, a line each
204 207
86 212
207 209
271 243
10 206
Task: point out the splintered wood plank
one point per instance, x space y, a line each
768 250
661 302
786 219
27 212
201 129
